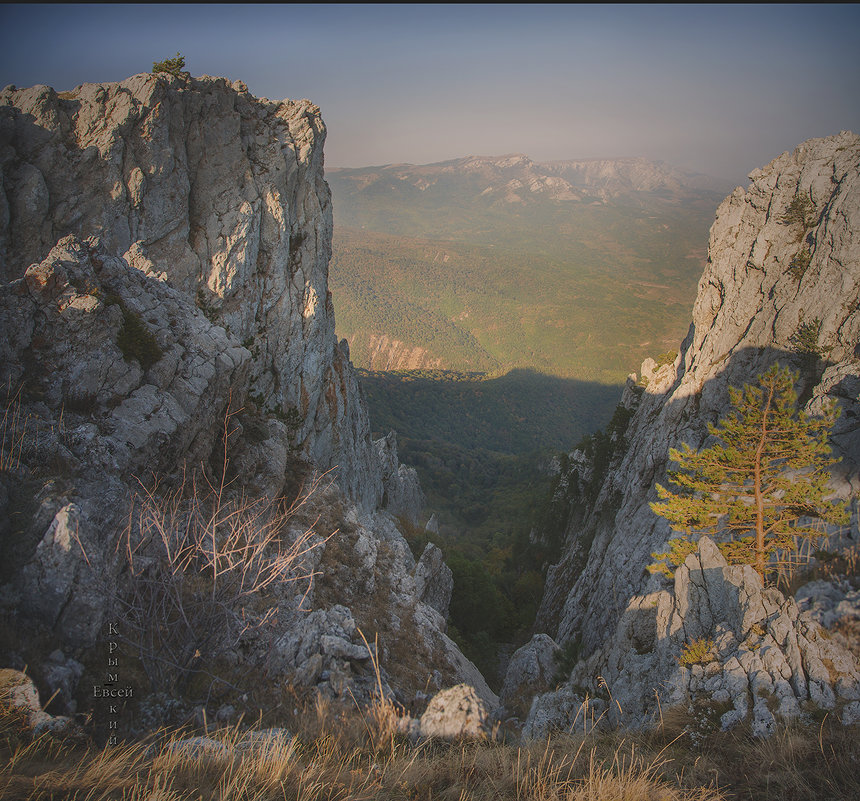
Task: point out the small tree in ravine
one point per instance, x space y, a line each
764 483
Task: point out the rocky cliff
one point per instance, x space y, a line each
778 286
164 248
217 194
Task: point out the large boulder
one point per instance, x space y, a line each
533 669
456 713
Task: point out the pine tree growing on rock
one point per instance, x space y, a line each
764 482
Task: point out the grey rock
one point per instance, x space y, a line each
55 565
270 742
402 490
218 195
564 710
198 748
531 671
20 690
748 308
56 725
455 713
164 263
434 581
62 675
765 659
339 648
750 304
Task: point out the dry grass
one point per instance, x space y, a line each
201 566
13 429
341 757
353 754
334 766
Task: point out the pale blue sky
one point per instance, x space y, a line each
721 89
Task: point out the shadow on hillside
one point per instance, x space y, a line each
686 417
520 412
746 364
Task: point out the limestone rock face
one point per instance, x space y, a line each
434 581
564 709
455 713
164 247
92 417
772 283
218 195
385 353
531 671
402 493
718 637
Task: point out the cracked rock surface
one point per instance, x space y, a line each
716 637
164 249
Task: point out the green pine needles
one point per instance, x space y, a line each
762 486
172 66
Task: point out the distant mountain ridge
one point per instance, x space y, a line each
515 178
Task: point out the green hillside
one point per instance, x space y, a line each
520 412
575 290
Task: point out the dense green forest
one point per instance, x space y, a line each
484 450
520 412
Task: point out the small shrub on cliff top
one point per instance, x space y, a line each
666 358
173 66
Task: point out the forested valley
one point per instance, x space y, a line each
494 333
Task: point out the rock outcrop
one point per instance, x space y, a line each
457 713
717 638
385 353
164 248
218 195
533 670
778 286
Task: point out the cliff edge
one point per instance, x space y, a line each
164 249
782 284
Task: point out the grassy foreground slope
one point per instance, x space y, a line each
357 755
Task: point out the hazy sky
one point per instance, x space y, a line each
720 89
